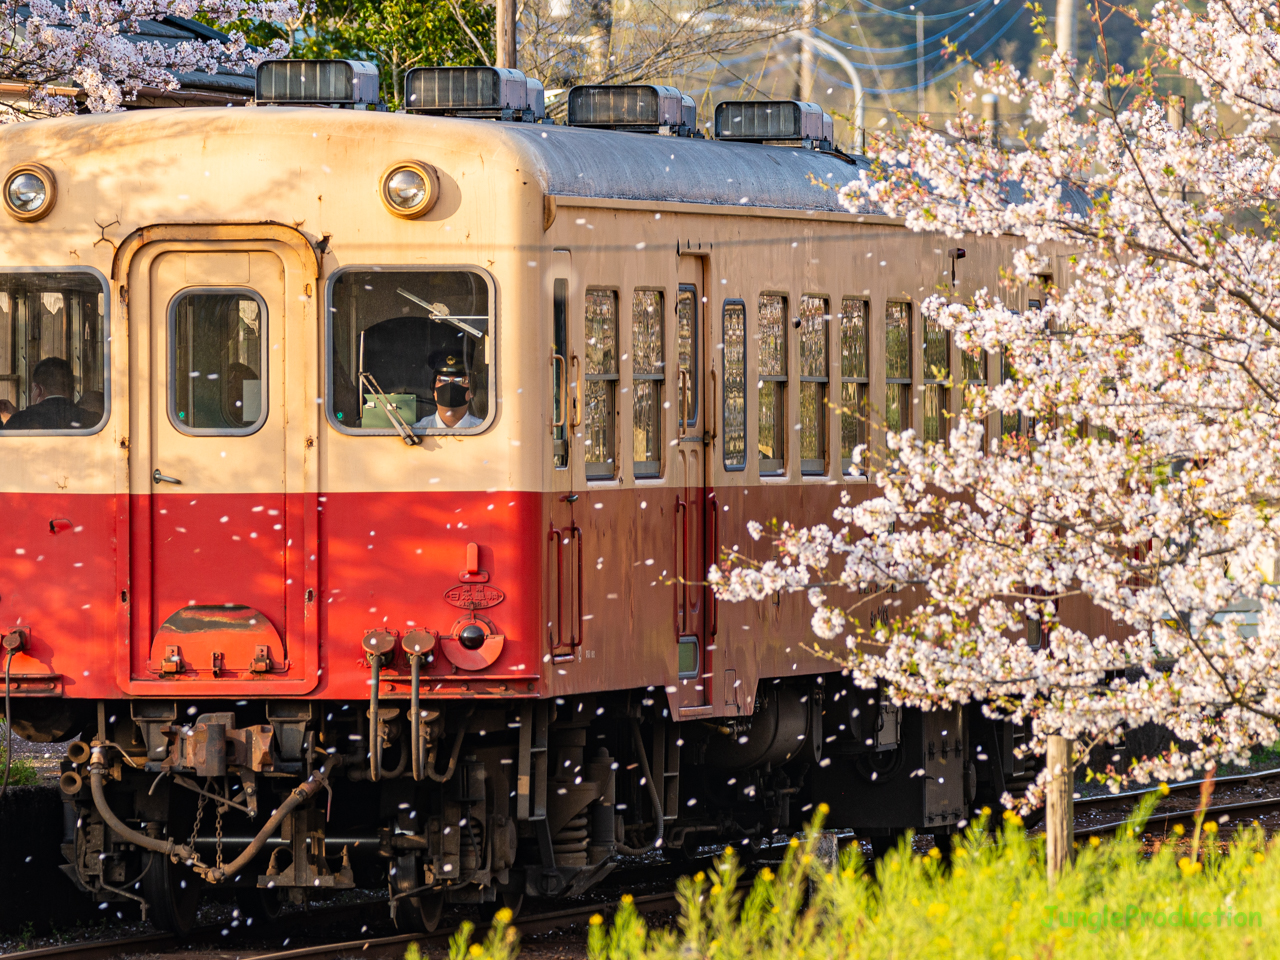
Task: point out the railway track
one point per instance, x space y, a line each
1100 815
364 947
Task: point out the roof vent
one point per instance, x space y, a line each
761 121
499 93
641 108
330 83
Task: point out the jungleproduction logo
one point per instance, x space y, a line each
1135 917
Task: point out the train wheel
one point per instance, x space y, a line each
172 891
426 910
513 900
259 903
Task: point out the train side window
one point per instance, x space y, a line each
410 349
559 375
734 415
935 376
647 375
773 384
601 390
217 362
897 370
53 369
815 324
974 366
855 381
687 352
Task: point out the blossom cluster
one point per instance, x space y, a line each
62 53
1142 482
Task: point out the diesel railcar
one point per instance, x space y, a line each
361 473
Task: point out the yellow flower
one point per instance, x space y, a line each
807 859
766 874
699 877
1258 857
1211 827
596 920
828 877
986 811
1095 842
847 872
504 915
895 866
1179 829
935 853
936 910
823 809
476 950
715 889
795 841
628 898
1164 789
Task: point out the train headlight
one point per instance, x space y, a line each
409 188
30 191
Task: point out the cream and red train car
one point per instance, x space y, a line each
361 471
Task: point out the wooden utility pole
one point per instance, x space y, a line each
1065 27
808 54
1059 808
991 118
505 33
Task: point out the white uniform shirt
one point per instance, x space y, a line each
434 422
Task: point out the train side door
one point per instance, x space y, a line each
563 538
692 625
223 551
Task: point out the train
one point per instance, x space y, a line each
363 469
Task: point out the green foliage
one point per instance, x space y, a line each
395 34
993 901
21 773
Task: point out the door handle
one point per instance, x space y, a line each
159 477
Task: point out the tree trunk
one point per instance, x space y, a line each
1059 813
601 42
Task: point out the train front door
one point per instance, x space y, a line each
694 628
223 347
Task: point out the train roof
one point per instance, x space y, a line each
567 161
606 164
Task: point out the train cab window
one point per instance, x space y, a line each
647 374
854 380
935 376
815 323
217 362
734 414
600 395
897 366
974 366
410 350
52 352
773 384
687 353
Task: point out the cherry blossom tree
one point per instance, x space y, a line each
1144 477
51 52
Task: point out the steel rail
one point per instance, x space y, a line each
1174 816
390 946
1185 786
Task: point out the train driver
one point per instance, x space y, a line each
51 407
453 395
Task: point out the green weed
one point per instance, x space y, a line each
992 901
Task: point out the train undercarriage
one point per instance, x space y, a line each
485 802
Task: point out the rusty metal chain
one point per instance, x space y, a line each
217 809
195 829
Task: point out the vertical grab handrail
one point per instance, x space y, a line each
576 532
563 397
576 420
683 405
558 634
680 611
713 550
